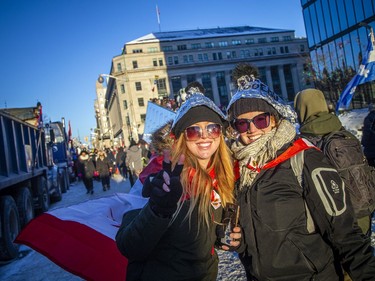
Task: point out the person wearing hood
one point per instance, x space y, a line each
316 123
173 236
86 169
296 219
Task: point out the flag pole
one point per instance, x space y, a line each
158 16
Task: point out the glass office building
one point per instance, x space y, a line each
337 33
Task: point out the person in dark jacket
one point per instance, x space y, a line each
173 236
368 136
316 122
103 166
296 225
86 171
120 162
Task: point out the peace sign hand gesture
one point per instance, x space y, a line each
165 188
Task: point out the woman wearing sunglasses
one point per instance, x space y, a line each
296 219
173 236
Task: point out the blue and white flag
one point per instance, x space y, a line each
365 73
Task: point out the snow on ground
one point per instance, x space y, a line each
33 266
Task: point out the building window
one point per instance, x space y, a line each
206 83
191 78
135 64
181 47
162 85
154 62
141 102
143 118
262 40
260 50
209 44
289 81
276 79
274 39
200 57
176 84
170 61
205 57
167 48
125 104
175 59
223 44
236 42
286 49
191 58
138 86
119 68
122 86
287 38
152 49
222 87
137 51
127 120
234 54
185 59
161 62
196 46
244 54
249 41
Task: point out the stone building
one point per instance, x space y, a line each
159 64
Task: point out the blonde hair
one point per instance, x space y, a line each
198 189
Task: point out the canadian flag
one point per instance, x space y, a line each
81 238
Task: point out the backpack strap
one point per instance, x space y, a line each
297 162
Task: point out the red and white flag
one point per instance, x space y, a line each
81 238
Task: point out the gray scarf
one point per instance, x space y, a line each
264 149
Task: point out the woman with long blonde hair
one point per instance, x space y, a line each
173 236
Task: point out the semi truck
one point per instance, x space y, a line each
29 178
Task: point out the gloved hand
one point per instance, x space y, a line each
164 188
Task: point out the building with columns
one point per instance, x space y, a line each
159 64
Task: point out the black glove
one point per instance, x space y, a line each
162 202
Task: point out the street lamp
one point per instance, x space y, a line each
133 124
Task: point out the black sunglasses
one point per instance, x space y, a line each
194 133
260 121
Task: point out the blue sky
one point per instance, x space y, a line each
52 51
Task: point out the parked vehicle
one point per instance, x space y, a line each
29 179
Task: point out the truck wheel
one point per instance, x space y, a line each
57 195
43 195
10 228
25 206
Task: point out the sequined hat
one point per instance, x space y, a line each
201 108
251 88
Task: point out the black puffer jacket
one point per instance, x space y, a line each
278 245
157 251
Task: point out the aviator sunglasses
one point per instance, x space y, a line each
194 133
260 121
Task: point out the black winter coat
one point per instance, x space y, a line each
102 166
368 135
86 166
277 244
157 251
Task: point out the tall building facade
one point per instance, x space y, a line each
337 34
160 64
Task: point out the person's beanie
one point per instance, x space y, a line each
244 105
195 115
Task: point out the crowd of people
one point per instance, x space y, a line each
102 164
253 179
296 218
